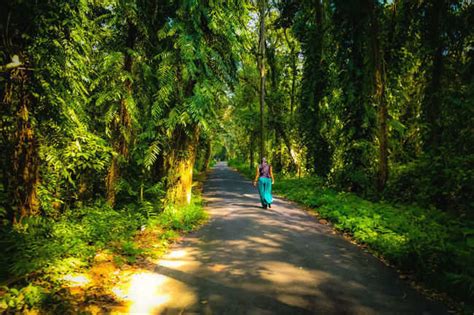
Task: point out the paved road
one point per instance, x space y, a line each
277 261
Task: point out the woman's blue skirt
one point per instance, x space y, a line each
265 191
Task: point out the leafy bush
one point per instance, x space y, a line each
131 251
41 242
184 218
445 181
51 247
16 300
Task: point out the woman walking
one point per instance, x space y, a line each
264 175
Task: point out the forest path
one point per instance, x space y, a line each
247 260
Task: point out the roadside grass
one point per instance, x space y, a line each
424 243
40 257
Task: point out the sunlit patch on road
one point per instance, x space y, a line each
151 292
77 280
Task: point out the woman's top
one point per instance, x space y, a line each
264 170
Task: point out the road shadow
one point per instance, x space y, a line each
276 261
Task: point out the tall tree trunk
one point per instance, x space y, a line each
251 150
294 72
180 164
25 160
433 92
379 93
207 159
121 125
261 68
183 151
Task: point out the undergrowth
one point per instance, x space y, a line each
37 254
434 245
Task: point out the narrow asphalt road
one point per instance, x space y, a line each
247 260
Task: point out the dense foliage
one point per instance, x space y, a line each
109 107
100 101
374 97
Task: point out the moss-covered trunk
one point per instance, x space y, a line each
179 166
378 83
208 156
121 125
25 159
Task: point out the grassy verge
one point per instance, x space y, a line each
243 168
40 257
428 244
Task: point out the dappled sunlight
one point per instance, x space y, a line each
177 254
143 294
218 267
172 263
182 259
259 261
77 280
149 292
236 157
270 244
294 299
282 273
